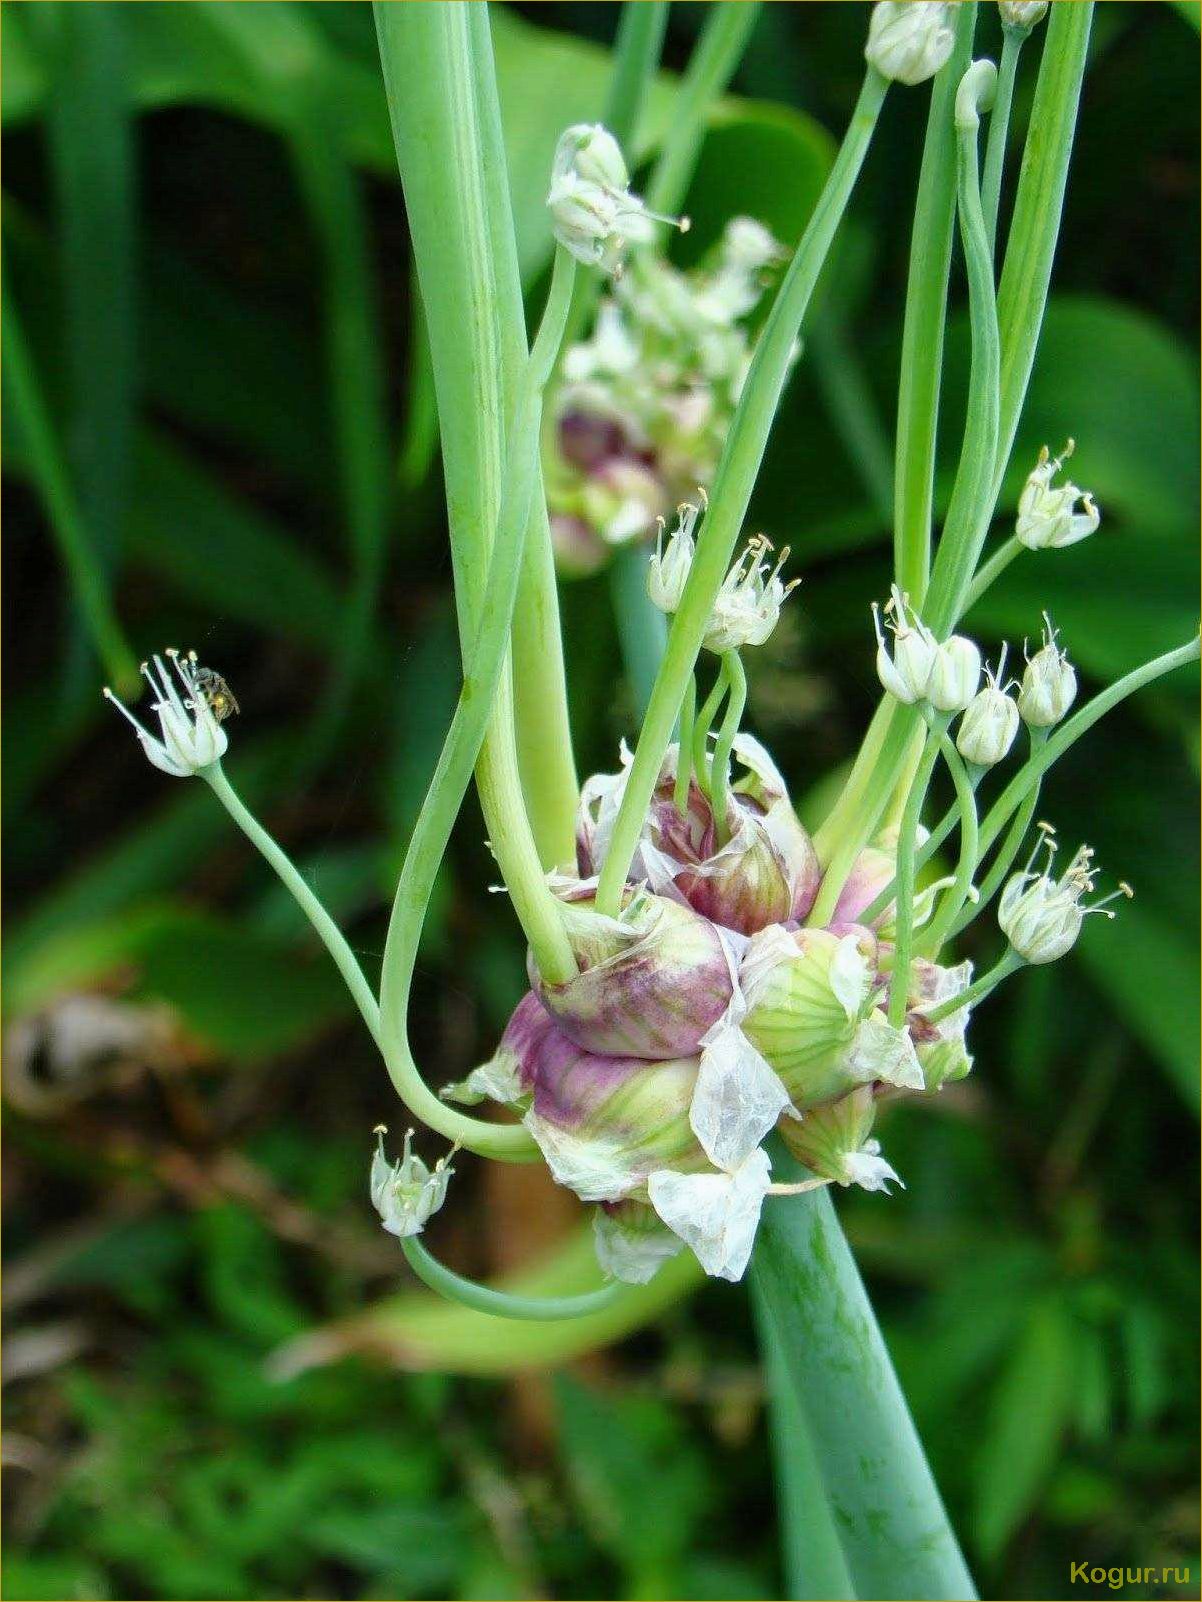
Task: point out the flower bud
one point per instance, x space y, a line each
1022 14
1049 684
942 1053
832 1141
909 40
766 873
810 1014
990 721
904 675
668 571
1047 519
190 734
406 1193
631 1240
1041 916
955 674
651 983
747 607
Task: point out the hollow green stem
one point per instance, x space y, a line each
970 509
503 1304
684 758
977 991
731 492
1038 202
294 882
1010 848
736 679
718 52
702 725
925 316
999 128
991 570
925 851
1069 732
955 896
906 841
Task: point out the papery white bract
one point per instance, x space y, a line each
190 736
1048 518
716 1215
407 1193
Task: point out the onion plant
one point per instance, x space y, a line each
719 1001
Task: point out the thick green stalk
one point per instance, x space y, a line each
814 1564
79 555
431 71
1038 202
891 1524
737 470
504 1304
922 332
736 680
999 129
718 52
971 507
1080 723
468 728
294 881
957 893
906 843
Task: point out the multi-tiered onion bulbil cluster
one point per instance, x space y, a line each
645 404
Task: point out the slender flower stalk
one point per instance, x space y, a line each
731 492
736 681
906 844
504 1304
958 892
1013 40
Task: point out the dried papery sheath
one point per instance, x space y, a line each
941 1047
747 607
990 721
716 1215
766 873
651 982
1049 685
632 1241
909 40
833 1142
190 703
1048 518
1041 916
407 1193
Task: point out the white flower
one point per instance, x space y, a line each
1049 684
1041 916
190 734
904 675
990 721
1022 14
668 570
1047 515
955 674
909 40
716 1215
594 213
747 607
407 1193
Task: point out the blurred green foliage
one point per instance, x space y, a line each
205 244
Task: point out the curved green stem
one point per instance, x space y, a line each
999 129
991 570
331 935
904 919
1080 723
957 893
731 492
1004 860
684 756
503 1304
925 851
701 728
1010 963
971 507
736 679
453 773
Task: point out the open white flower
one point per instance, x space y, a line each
747 607
668 569
1041 916
594 212
907 672
1047 516
190 734
407 1193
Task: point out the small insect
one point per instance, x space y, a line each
217 695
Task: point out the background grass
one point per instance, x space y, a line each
206 255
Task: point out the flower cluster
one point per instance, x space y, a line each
644 405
